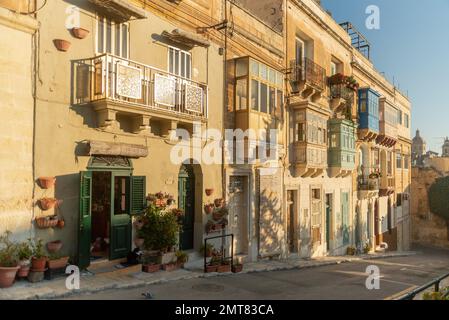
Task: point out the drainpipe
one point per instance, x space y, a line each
225 97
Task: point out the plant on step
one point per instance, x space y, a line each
8 251
209 248
366 248
182 257
25 251
350 251
161 230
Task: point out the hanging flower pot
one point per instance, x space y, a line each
209 192
48 203
61 223
209 208
54 246
62 45
47 222
219 202
80 33
46 182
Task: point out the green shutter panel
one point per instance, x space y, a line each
138 194
84 230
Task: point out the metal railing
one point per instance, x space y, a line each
108 77
435 283
365 183
308 72
342 91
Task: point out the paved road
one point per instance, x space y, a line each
343 281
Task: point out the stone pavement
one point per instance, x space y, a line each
120 279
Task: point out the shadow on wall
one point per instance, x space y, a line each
67 190
271 231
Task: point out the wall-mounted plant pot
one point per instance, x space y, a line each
62 45
209 208
219 202
48 203
54 246
80 33
209 192
61 223
46 182
46 222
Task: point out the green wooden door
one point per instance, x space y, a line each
186 201
345 216
84 227
120 225
328 223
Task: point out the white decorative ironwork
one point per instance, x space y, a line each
193 98
164 90
129 81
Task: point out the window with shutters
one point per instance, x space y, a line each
180 62
112 37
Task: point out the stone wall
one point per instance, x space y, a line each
427 228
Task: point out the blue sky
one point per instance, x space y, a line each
412 46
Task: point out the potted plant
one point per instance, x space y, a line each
366 248
8 261
56 261
47 222
46 182
80 33
209 250
181 258
48 203
54 246
209 208
337 78
139 241
237 267
213 264
149 263
24 252
350 251
219 202
225 266
39 258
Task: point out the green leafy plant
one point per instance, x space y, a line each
25 250
8 251
438 199
38 249
367 248
209 249
161 230
441 295
182 257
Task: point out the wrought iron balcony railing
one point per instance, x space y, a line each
367 182
308 72
107 77
343 92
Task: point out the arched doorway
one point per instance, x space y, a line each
186 201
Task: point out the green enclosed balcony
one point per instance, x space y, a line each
342 137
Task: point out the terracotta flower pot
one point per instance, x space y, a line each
24 271
61 223
208 208
48 203
38 264
237 268
224 268
46 222
217 215
211 268
58 263
46 182
209 192
54 246
139 242
7 276
62 45
170 267
80 33
151 268
219 202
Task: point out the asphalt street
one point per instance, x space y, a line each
342 281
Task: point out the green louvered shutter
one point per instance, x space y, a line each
138 194
84 228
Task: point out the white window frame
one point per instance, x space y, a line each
113 37
303 53
179 62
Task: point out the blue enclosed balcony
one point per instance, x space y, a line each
368 114
341 152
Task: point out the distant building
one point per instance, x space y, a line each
419 147
445 148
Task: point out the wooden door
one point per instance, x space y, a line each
186 201
84 226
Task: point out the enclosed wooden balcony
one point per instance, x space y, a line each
388 125
387 186
115 87
341 157
368 185
307 78
368 111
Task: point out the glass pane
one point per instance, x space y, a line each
272 101
171 57
125 41
280 104
254 68
263 97
176 69
121 195
280 79
263 72
183 64
188 66
272 76
100 44
241 68
109 37
241 96
117 40
254 94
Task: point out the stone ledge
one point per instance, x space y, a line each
18 21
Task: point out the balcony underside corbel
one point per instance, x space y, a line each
307 172
367 135
336 172
386 141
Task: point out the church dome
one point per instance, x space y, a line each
418 138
